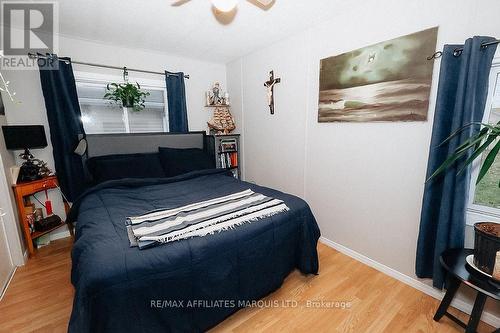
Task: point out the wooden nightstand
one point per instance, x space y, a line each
22 191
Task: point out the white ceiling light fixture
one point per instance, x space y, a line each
225 5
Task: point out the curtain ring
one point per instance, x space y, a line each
436 55
457 52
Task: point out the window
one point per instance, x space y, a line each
99 116
484 201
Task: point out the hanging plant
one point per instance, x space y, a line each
127 95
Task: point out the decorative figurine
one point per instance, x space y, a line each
43 169
216 96
222 122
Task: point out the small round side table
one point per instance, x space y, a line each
459 272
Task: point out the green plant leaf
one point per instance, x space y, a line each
488 161
456 132
477 152
479 142
449 161
471 142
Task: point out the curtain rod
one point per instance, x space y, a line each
458 51
37 56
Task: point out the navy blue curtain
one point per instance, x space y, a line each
176 95
63 113
462 92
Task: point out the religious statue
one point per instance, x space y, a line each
216 96
216 92
270 90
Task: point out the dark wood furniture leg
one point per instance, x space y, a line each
475 316
454 261
453 284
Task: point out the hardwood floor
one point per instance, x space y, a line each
40 296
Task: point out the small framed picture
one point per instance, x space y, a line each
38 214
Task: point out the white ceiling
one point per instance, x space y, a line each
191 29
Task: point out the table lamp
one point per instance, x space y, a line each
26 137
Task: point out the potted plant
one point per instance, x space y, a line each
486 234
127 95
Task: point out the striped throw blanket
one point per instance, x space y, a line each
201 218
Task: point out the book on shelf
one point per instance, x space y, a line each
234 159
228 160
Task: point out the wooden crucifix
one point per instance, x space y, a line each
270 90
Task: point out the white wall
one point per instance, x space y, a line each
31 110
274 144
236 100
364 181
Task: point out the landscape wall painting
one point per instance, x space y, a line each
388 81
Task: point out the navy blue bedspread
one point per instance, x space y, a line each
188 285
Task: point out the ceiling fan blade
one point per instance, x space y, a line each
263 4
179 3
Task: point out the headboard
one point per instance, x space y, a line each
125 143
130 143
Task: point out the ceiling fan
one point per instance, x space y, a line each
228 5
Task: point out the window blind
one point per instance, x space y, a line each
99 116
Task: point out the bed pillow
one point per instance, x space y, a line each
178 161
103 168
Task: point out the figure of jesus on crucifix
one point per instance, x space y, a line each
270 90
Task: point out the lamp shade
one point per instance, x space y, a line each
22 137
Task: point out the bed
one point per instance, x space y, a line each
188 285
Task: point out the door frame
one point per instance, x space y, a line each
3 289
14 239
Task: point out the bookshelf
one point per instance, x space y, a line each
226 150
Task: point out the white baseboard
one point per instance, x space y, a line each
487 317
